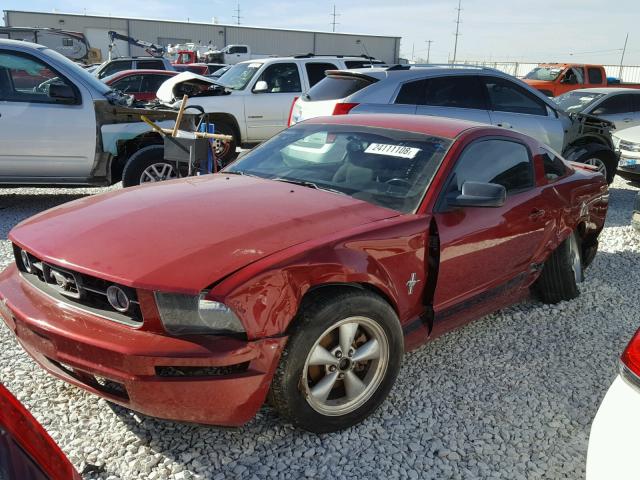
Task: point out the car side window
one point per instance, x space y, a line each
412 93
454 91
554 167
150 65
151 83
129 84
315 71
615 105
504 162
238 49
115 67
24 78
282 78
506 96
595 75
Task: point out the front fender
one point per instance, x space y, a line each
267 295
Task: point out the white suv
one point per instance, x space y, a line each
258 94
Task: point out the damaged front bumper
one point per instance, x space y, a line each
203 379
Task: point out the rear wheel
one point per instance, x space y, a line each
148 165
341 360
562 272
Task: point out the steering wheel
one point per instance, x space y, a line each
399 182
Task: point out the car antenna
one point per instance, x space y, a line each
364 47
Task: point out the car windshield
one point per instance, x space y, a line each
576 101
388 168
544 73
238 76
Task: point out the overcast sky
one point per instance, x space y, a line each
541 30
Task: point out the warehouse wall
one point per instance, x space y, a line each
262 40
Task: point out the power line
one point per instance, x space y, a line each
333 22
455 47
237 15
624 49
428 42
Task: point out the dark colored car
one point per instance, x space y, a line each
332 248
27 452
199 68
142 84
132 63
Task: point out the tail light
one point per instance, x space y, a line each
293 104
344 108
631 360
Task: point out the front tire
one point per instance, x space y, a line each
148 165
562 272
342 358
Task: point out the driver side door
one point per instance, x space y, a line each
486 253
42 137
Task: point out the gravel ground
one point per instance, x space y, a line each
509 396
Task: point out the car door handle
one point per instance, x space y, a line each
536 213
504 125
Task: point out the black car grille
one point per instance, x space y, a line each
77 289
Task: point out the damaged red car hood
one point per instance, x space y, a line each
184 235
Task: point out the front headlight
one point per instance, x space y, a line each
182 314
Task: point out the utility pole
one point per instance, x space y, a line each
455 47
413 52
624 49
428 42
333 22
237 15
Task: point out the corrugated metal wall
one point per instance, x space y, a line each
261 40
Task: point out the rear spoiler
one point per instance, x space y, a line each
352 74
584 166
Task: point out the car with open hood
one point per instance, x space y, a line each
302 271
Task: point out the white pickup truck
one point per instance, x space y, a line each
231 54
252 101
60 125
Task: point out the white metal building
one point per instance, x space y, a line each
267 41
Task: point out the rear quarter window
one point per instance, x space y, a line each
333 88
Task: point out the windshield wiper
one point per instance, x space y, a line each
306 183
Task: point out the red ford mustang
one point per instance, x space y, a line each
302 271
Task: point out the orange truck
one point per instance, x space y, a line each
554 79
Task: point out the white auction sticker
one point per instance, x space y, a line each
392 150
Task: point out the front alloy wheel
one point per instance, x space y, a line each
158 172
341 360
345 366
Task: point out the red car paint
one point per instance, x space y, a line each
260 247
26 449
144 96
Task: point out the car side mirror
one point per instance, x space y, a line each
478 194
260 87
62 93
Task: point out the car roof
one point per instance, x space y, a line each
126 73
312 58
21 43
606 90
428 125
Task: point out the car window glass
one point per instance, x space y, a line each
460 92
506 96
315 71
390 168
24 78
503 162
595 75
282 78
150 65
151 83
412 93
333 88
238 49
615 105
362 63
115 67
130 84
554 167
